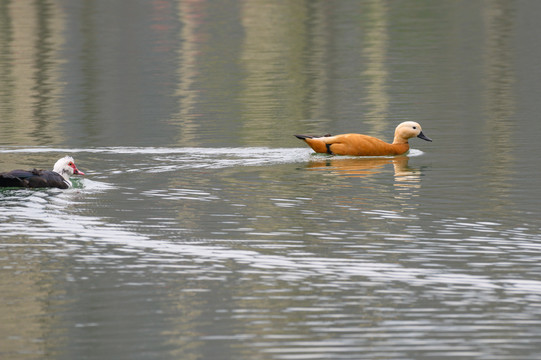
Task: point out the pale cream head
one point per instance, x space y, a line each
407 130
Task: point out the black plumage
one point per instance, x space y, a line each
33 179
58 178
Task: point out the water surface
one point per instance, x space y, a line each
204 230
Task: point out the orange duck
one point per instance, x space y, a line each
364 145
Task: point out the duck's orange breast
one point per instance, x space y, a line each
356 144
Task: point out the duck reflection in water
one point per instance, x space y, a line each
407 179
363 166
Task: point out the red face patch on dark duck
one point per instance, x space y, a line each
58 178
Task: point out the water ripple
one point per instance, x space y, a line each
337 256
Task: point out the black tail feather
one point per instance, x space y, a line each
7 180
302 137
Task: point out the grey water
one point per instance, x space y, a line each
204 230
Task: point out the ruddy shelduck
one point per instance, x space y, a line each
364 145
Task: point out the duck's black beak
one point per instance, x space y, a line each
423 136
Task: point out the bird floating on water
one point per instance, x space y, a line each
364 145
58 178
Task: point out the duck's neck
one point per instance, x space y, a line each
65 176
399 140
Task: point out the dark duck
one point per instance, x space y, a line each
58 178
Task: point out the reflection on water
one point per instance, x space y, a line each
376 73
202 230
407 180
227 249
30 103
363 166
500 98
